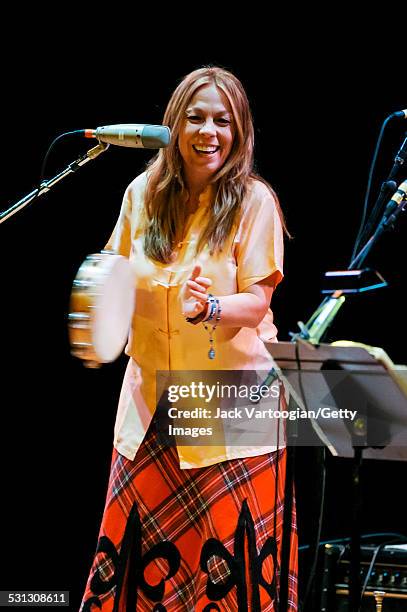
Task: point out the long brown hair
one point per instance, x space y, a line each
166 191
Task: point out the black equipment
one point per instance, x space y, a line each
387 581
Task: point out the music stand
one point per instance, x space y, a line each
328 380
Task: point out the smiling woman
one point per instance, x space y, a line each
197 527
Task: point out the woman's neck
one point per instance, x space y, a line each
194 193
195 182
196 189
192 203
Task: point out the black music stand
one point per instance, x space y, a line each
338 379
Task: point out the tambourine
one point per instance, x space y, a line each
101 308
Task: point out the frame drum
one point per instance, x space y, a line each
101 308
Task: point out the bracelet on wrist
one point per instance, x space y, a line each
216 313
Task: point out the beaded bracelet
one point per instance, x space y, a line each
213 311
212 307
217 313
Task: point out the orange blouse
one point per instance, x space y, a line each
160 339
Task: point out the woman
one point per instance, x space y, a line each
195 527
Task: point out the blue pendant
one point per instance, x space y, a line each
211 354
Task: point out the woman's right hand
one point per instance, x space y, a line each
194 293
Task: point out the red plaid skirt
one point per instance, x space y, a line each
192 540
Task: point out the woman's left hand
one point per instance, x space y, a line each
194 293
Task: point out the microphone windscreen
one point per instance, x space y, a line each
155 136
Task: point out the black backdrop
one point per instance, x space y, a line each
317 117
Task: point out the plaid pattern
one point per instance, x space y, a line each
199 539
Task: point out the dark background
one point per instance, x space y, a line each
317 117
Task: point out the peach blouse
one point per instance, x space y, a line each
161 339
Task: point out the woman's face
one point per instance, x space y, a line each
206 136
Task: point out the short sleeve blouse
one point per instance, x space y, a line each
161 339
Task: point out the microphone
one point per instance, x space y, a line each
137 135
399 114
398 197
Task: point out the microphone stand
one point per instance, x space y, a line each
47 185
321 319
390 216
387 189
